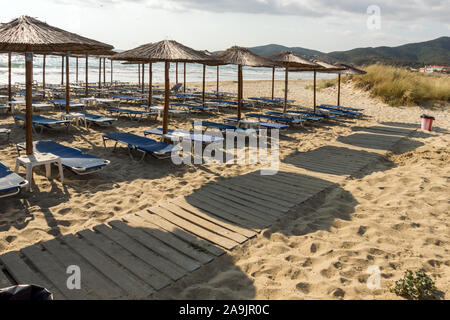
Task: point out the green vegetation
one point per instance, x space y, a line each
398 86
415 286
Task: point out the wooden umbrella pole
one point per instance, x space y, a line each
203 84
273 81
314 91
29 102
176 73
239 91
339 90
139 74
286 79
166 97
111 72
217 82
104 72
184 77
99 73
76 74
150 84
143 78
67 84
87 75
62 70
9 78
43 75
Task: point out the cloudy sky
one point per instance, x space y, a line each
325 25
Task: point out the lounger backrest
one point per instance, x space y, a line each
176 87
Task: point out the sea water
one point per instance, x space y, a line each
129 72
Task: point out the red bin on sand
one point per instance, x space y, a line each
427 122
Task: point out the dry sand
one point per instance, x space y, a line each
393 215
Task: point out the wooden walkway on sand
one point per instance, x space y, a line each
148 250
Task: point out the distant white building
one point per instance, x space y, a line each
431 69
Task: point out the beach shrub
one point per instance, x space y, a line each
414 286
402 87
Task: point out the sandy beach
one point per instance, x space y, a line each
394 214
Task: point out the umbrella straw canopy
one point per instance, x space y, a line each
242 57
289 59
26 34
164 51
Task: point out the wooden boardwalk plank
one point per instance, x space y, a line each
204 223
247 201
262 215
165 266
122 256
244 220
194 241
265 187
255 192
193 228
45 263
91 279
255 220
124 279
169 239
214 218
157 246
23 274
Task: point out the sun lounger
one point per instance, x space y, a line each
71 158
223 127
132 114
341 107
268 125
312 114
43 122
294 115
129 98
61 103
10 183
349 113
5 132
192 107
285 120
144 145
97 119
172 111
184 134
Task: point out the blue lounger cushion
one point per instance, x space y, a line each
205 138
144 144
71 158
269 125
40 120
354 113
305 117
10 183
98 118
274 118
341 107
193 107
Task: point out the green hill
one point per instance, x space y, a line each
413 54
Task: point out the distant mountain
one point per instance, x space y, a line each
414 54
429 52
271 49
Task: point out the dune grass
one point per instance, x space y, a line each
401 87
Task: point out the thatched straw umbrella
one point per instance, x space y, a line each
241 56
166 51
26 34
289 59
